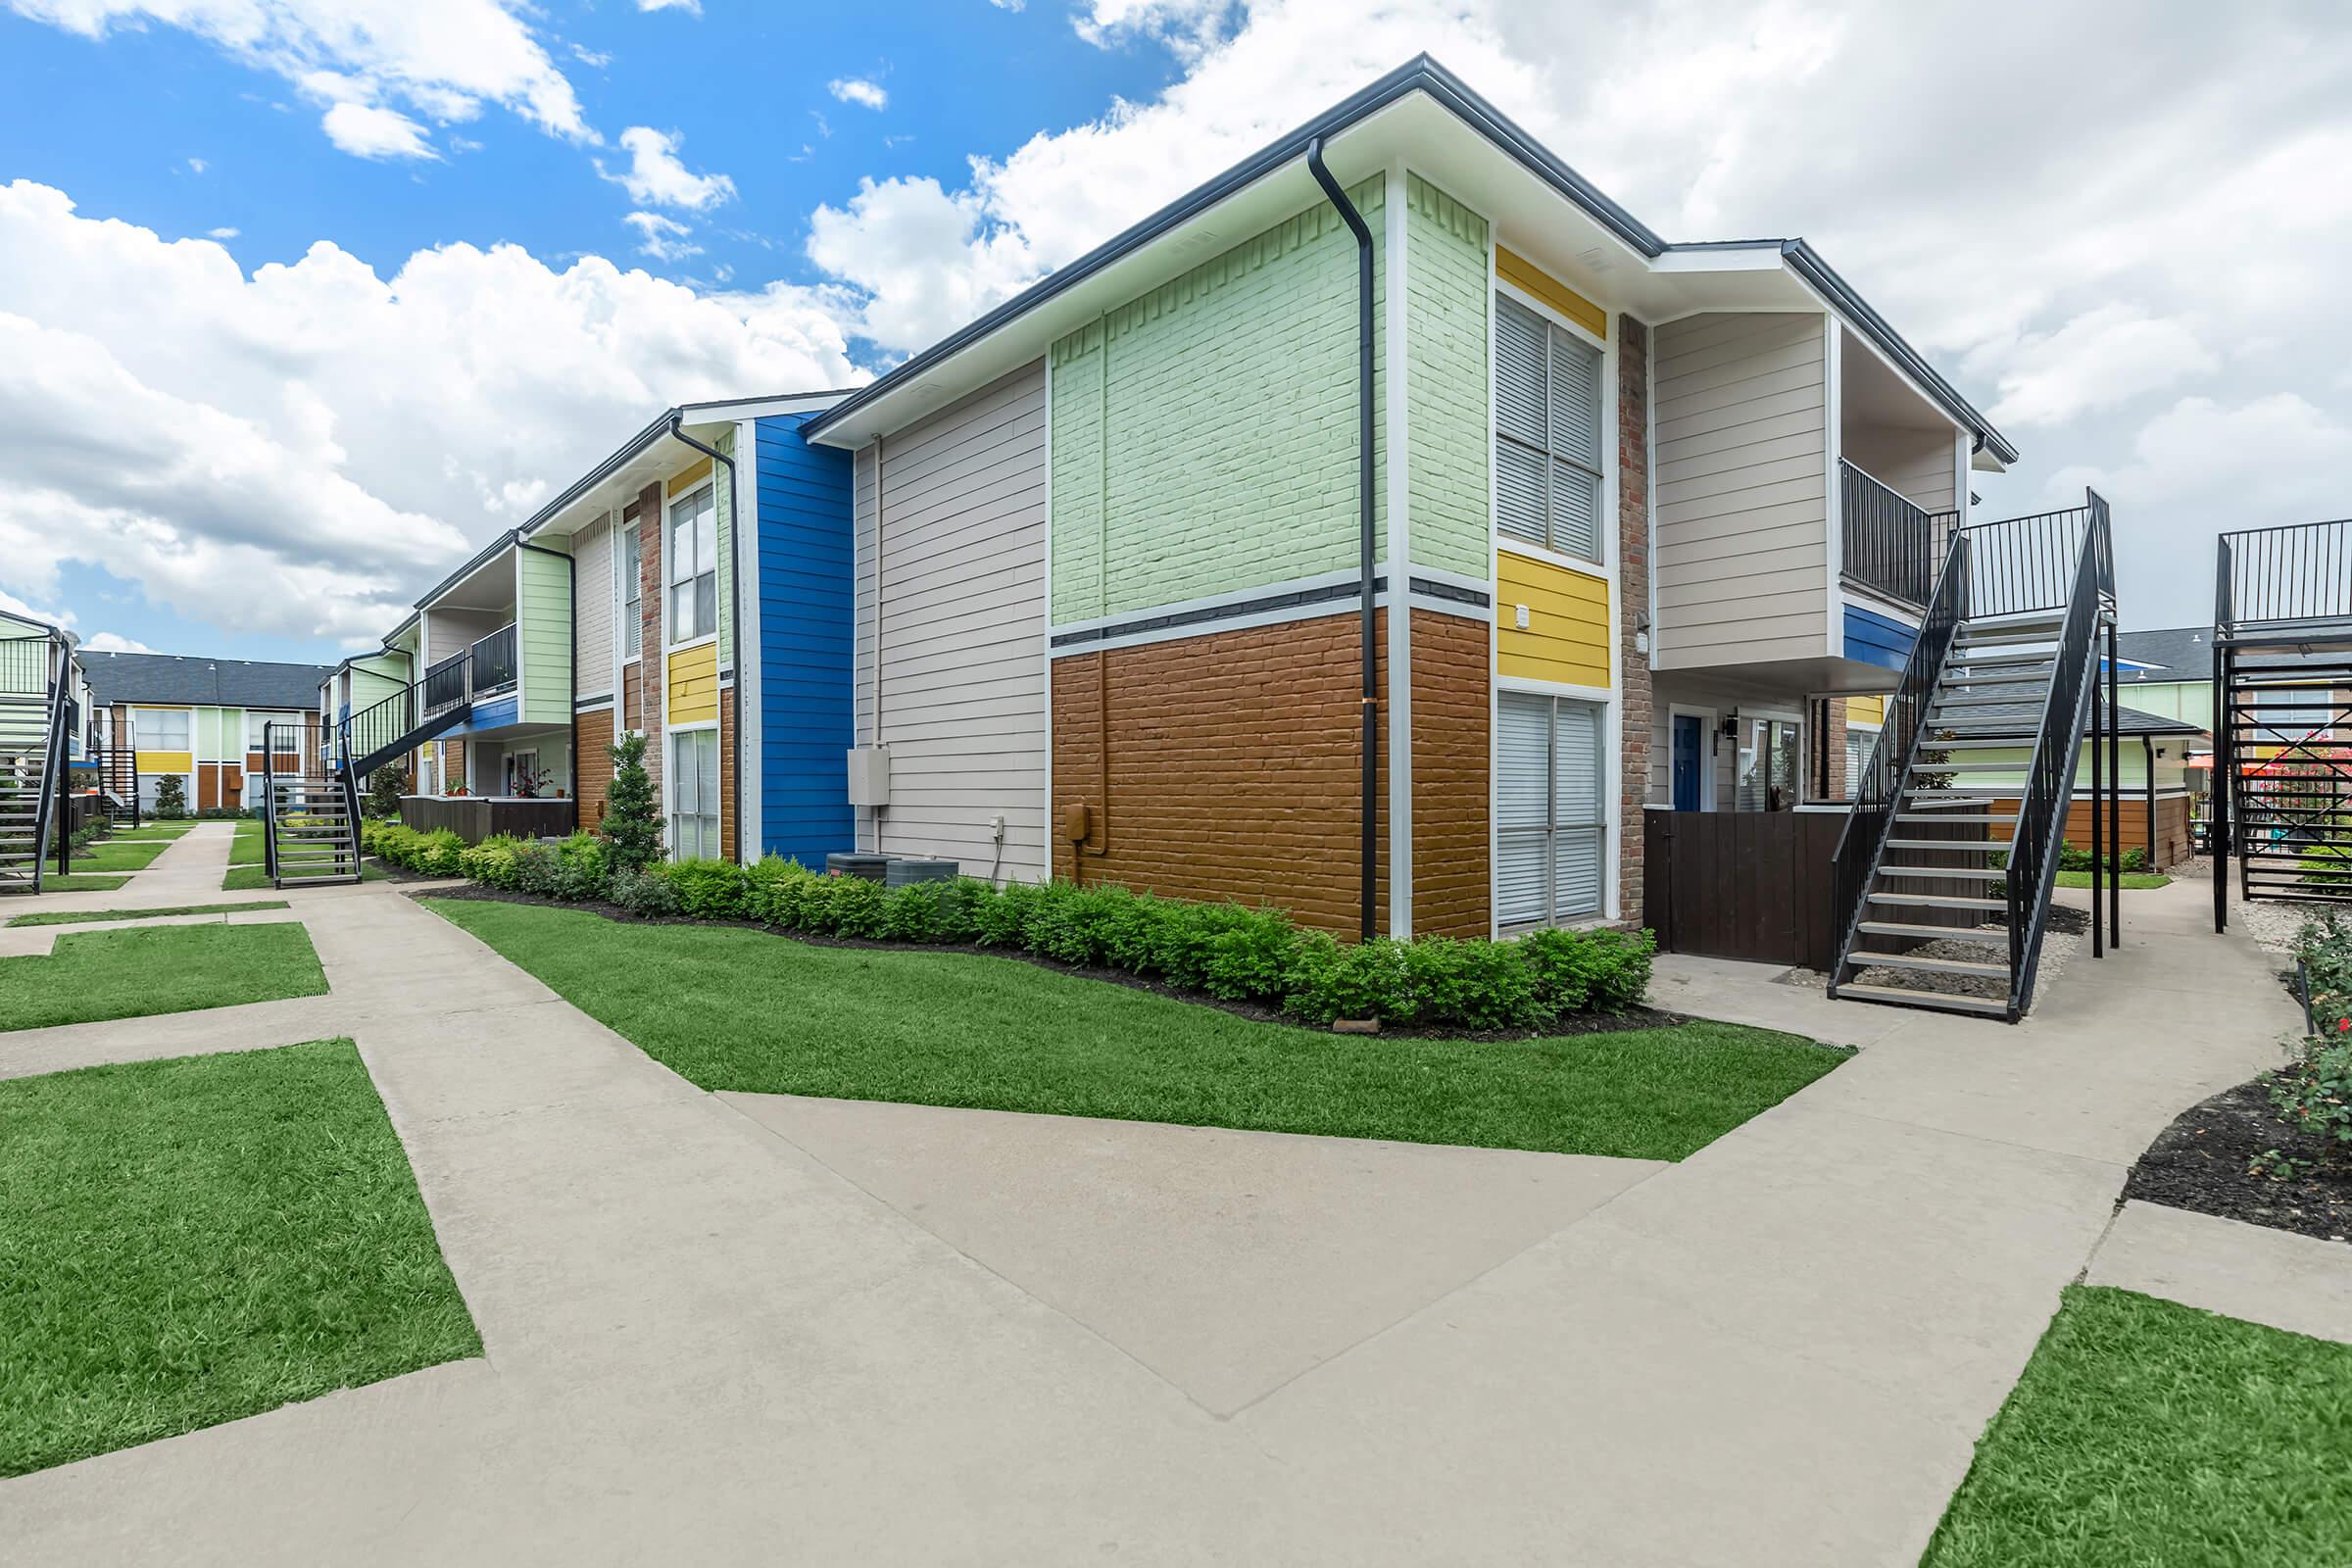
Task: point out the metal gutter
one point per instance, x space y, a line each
1421 74
734 619
1367 568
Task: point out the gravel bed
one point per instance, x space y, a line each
2061 940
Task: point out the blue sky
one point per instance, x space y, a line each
301 299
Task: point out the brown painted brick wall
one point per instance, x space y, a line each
1234 768
1633 587
1453 738
594 765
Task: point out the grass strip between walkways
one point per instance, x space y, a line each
94 976
254 879
730 1008
2147 1433
121 855
197 1240
82 882
89 916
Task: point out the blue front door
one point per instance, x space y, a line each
1690 741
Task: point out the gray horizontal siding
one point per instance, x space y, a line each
592 605
957 592
1739 423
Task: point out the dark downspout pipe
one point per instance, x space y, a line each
2115 782
1366 565
2147 751
677 429
571 698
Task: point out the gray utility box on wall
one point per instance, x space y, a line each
869 775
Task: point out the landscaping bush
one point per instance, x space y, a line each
492 861
2327 867
2324 945
170 798
2315 1095
710 890
644 890
632 824
1230 951
385 786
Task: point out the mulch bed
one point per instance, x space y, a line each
1580 1023
2199 1162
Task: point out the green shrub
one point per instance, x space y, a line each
859 907
2315 1095
439 853
1072 924
999 921
644 890
932 911
709 890
1471 985
1369 980
632 824
774 890
1252 957
579 867
537 869
491 862
2324 945
2327 867
170 798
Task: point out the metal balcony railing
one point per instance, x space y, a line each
482 670
1892 547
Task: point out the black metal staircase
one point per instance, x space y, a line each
309 811
35 681
2012 626
400 723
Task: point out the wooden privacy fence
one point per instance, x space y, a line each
1758 885
476 817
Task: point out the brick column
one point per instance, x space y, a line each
652 676
1833 740
1633 587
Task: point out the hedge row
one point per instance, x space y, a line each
1231 952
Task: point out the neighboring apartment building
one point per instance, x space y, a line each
620 608
1080 590
200 719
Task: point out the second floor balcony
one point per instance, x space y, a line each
1889 546
485 668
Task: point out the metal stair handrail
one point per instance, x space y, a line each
1879 792
53 773
2043 805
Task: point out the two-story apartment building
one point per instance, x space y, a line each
1639 516
201 720
620 608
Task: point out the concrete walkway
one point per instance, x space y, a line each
738 1328
2296 1283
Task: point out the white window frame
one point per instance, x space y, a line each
673 773
1606 523
1606 822
1779 715
706 493
630 557
1857 760
145 721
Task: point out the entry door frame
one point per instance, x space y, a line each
1708 741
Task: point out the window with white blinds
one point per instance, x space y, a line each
1550 821
1861 742
1548 433
692 786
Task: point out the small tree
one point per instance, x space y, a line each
632 825
171 797
385 787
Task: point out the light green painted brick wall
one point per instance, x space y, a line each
543 633
1232 418
2184 699
1446 297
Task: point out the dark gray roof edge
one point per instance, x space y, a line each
771 397
504 541
1421 73
1809 265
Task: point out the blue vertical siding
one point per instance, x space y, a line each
807 670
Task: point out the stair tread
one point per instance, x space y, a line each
1867 959
1943 1000
1938 900
1948 844
1964 873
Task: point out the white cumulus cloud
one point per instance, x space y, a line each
367 131
858 90
662 238
658 178
107 642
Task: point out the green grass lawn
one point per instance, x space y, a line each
80 882
86 916
246 848
2130 879
2147 1435
118 854
249 878
176 968
193 1240
735 1008
153 829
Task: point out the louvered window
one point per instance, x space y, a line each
1551 824
1548 433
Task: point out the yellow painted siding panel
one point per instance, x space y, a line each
693 684
1866 709
1513 268
167 762
688 477
1567 635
